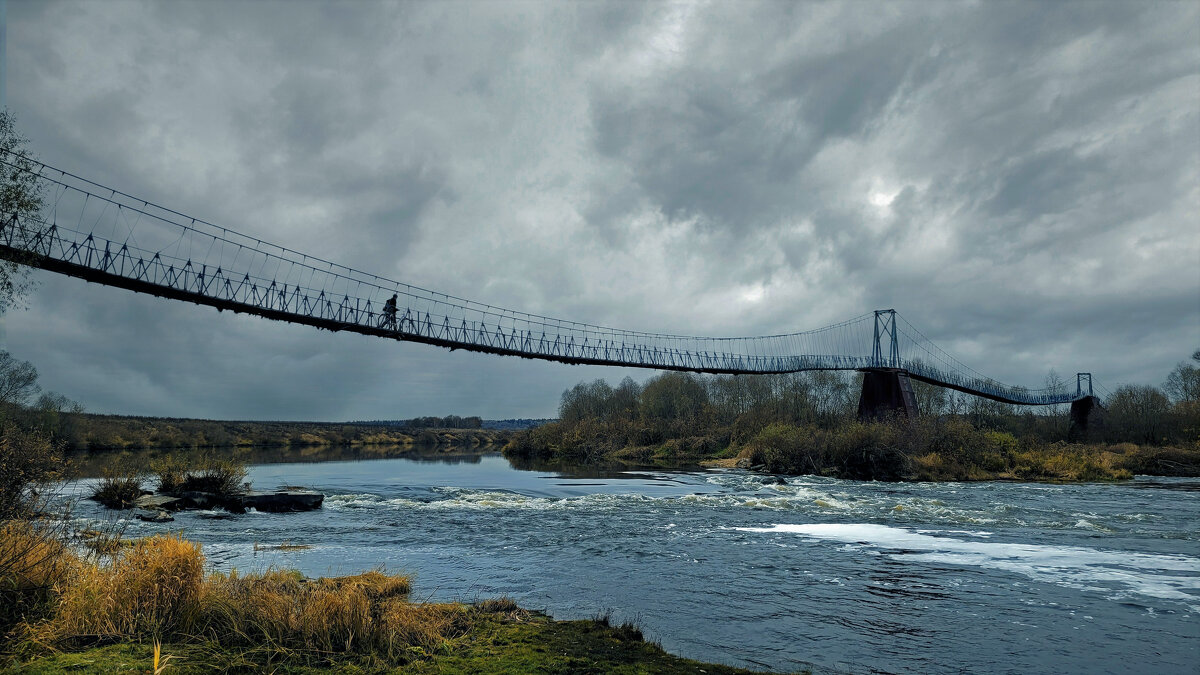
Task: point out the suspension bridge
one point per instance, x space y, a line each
89 231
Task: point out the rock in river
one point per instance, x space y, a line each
159 503
153 516
283 500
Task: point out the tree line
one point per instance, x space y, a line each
807 422
431 422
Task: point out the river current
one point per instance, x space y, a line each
778 573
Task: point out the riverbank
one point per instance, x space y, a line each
86 432
103 614
521 642
896 450
104 462
809 424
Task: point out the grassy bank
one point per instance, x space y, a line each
926 449
106 612
807 423
104 462
89 432
953 450
523 642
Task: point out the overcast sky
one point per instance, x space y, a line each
1020 180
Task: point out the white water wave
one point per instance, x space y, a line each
1116 573
809 499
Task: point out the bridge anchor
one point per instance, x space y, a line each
1087 413
1082 424
886 393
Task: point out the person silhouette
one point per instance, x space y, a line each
389 313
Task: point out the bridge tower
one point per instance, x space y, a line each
886 390
1082 409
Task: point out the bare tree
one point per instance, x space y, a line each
1139 413
1183 384
18 380
20 198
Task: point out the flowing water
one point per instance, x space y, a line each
763 572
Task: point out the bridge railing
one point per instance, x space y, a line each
988 387
247 292
105 235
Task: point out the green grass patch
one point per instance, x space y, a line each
515 641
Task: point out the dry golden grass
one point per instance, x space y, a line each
503 605
156 589
374 584
285 546
364 613
104 542
32 560
149 588
1055 462
721 463
310 439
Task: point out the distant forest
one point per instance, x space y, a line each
87 432
456 422
447 422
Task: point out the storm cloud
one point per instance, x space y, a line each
1020 180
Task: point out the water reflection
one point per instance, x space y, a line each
96 464
600 470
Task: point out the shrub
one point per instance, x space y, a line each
104 542
218 476
861 451
170 472
1163 461
1001 442
26 460
32 559
118 491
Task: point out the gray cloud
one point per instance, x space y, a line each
1018 179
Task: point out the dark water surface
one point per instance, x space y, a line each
725 566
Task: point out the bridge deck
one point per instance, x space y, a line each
181 258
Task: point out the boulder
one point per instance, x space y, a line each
218 515
279 501
159 503
194 499
199 500
153 516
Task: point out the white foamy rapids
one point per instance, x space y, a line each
796 499
1115 573
802 498
478 500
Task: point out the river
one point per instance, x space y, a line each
746 569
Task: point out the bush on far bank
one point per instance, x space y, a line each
953 449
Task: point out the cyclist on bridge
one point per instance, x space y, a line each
389 313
